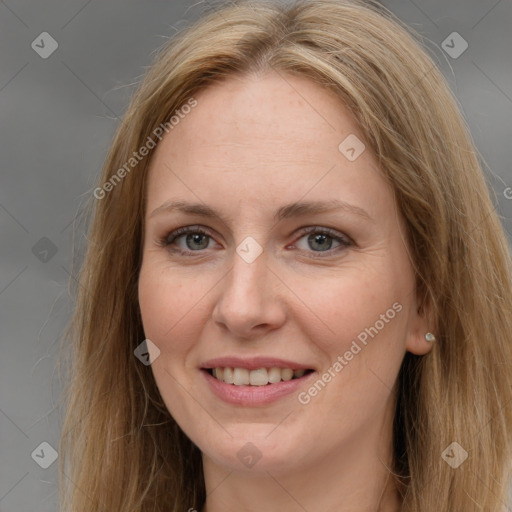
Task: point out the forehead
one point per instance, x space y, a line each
272 108
247 133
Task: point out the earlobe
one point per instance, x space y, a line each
421 340
421 345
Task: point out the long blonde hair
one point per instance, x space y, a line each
120 449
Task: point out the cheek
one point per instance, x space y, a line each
170 311
153 302
357 321
340 306
164 304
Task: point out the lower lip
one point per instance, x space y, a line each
253 395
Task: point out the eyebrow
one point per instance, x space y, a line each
284 212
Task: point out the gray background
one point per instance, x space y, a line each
57 119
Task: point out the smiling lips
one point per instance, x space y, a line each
259 377
258 371
253 387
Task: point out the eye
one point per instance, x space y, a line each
321 240
194 238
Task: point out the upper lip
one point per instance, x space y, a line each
253 363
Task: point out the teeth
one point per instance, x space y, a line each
259 377
286 374
227 376
274 375
241 377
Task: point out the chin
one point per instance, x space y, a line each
254 450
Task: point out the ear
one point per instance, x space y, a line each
421 322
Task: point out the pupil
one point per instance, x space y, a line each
196 238
317 237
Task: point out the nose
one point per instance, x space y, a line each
250 301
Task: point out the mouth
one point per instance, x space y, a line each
260 377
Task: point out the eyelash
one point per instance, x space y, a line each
171 237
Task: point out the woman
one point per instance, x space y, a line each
296 295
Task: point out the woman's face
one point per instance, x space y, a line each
299 264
